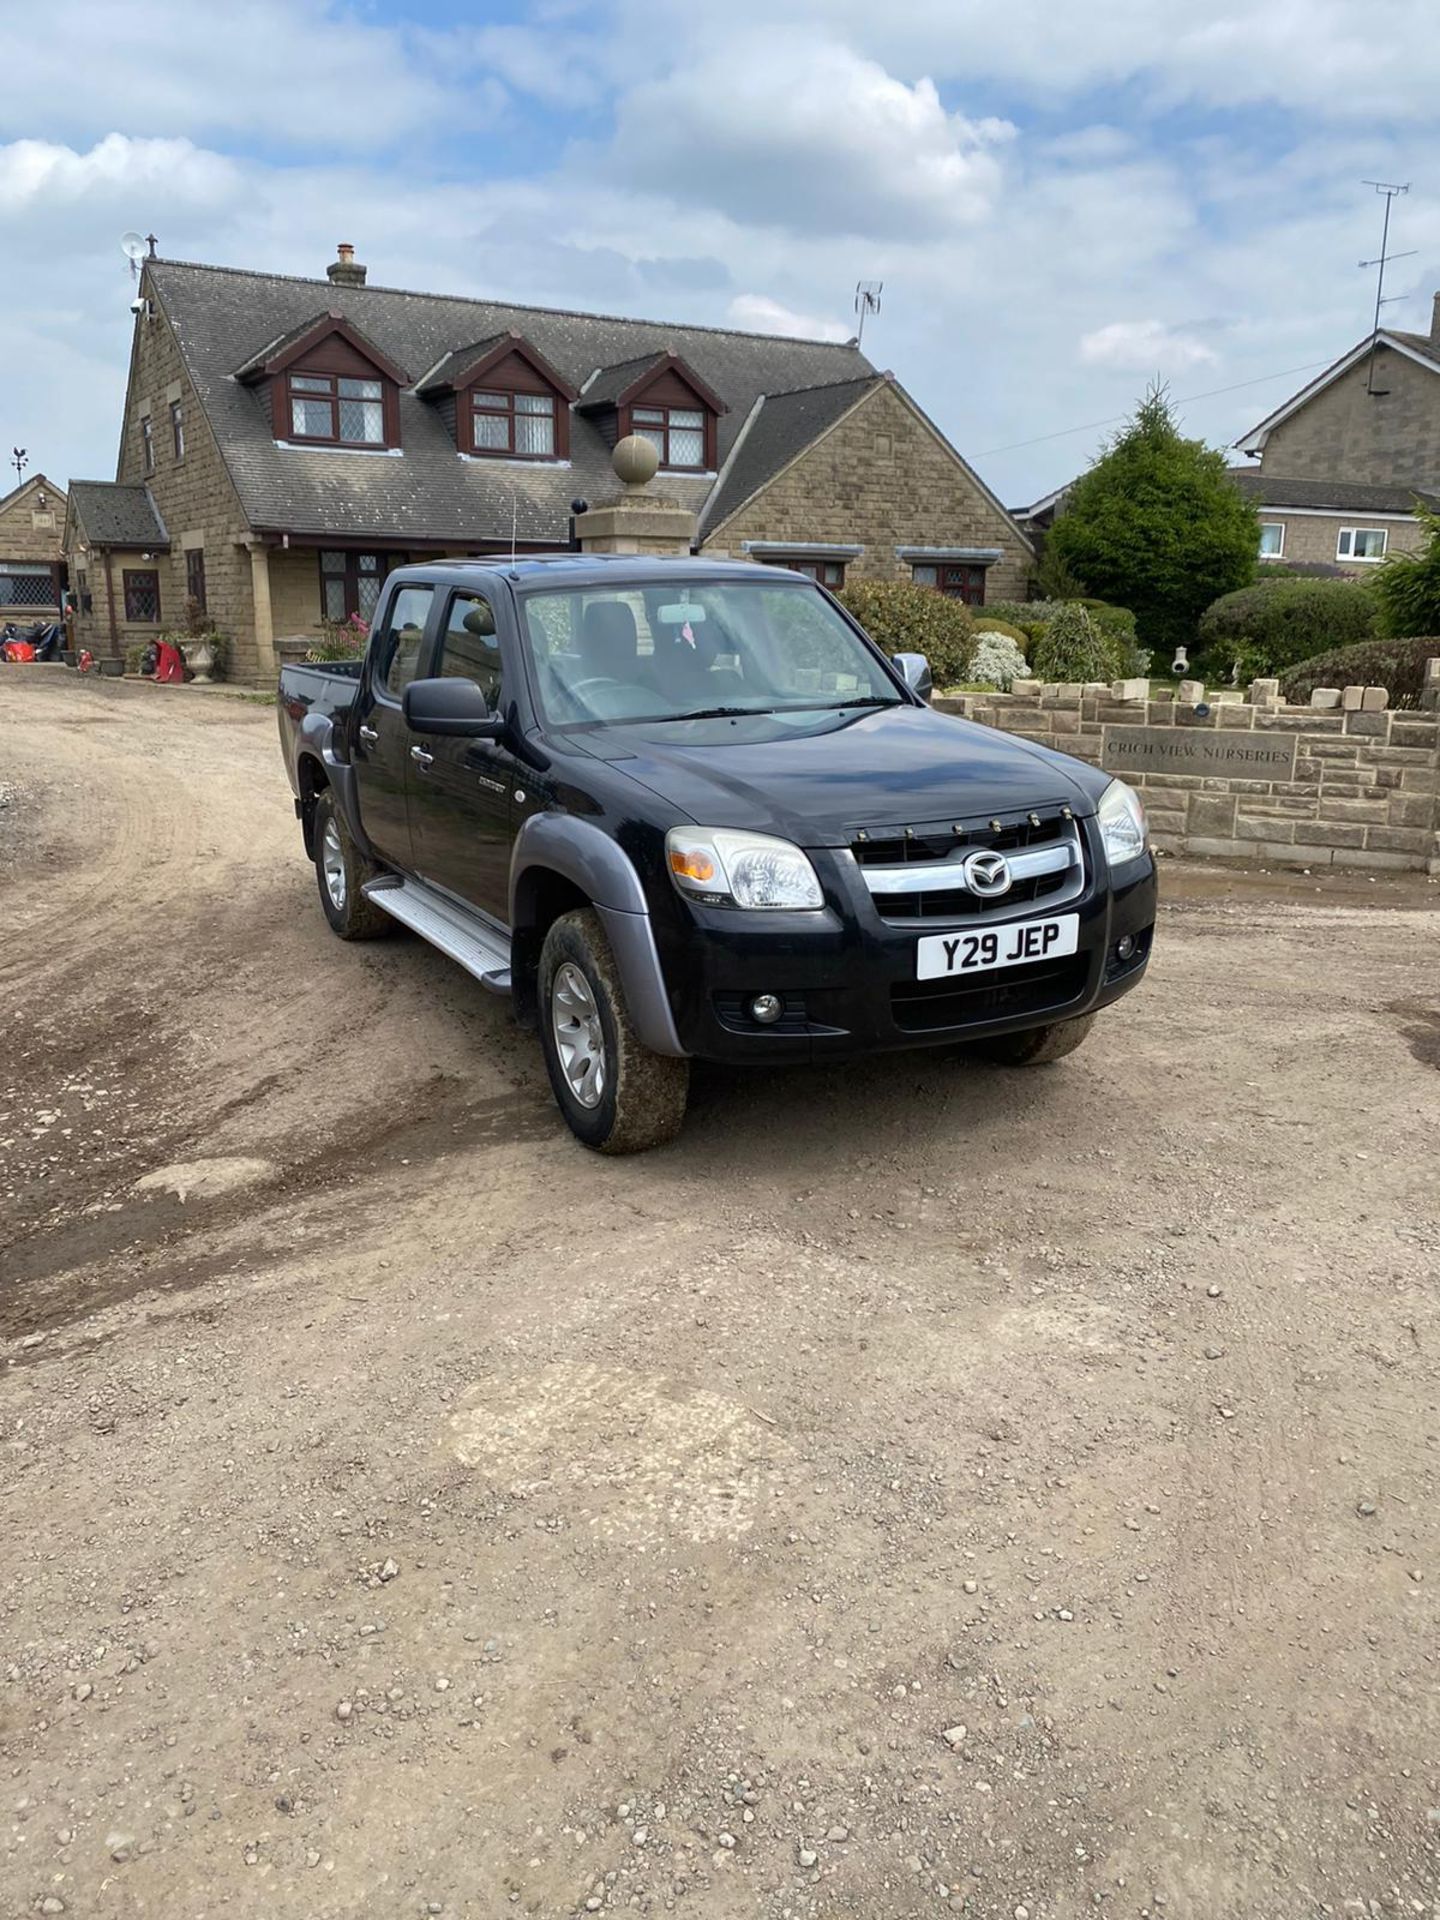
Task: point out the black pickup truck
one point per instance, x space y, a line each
688 809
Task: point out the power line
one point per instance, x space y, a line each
1090 425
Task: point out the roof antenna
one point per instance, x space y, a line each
1391 193
132 245
514 521
867 300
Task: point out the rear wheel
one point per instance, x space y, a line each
342 870
616 1095
1039 1046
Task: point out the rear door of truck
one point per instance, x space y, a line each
382 743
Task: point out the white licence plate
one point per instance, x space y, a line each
1013 945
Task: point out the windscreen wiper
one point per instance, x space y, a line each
869 700
716 713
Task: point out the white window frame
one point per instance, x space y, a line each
1276 553
1345 546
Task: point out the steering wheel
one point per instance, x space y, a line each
595 680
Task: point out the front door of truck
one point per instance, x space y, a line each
460 790
382 741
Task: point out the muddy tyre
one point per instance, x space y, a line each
341 871
616 1095
1039 1046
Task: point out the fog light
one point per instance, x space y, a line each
1125 946
766 1008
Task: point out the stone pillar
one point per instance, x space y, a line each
1430 692
638 522
265 664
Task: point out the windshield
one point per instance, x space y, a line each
606 655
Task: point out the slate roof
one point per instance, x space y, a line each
610 382
783 426
222 318
1420 343
114 513
1340 496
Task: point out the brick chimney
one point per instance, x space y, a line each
1435 321
346 271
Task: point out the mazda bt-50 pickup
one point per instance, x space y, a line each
687 809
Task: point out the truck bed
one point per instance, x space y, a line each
328 687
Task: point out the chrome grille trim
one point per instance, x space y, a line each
1065 856
945 876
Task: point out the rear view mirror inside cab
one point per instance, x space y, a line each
677 615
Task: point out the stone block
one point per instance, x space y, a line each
1398 839
1369 812
1063 720
1027 689
1297 720
1330 833
1213 815
1258 829
1375 699
1412 810
1352 698
1324 697
1205 848
1191 693
1264 693
1334 749
1188 717
1377 857
1410 730
1160 713
1417 779
1373 724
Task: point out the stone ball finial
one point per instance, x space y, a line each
635 460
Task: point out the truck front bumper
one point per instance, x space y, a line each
846 979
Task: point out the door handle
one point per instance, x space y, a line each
421 757
369 736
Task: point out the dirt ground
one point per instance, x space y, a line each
921 1488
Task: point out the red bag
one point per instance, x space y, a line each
19 651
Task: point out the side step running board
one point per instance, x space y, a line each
481 949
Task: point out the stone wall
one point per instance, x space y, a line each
31 534
1346 431
1353 784
881 478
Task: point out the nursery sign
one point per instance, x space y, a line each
1206 752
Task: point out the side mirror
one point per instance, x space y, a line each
456 708
914 670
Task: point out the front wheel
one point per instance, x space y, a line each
342 870
1038 1046
616 1095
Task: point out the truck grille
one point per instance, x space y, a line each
927 1006
1045 847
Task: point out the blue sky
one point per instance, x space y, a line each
1062 202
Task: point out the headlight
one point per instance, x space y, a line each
724 868
1122 823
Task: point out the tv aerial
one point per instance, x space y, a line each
867 300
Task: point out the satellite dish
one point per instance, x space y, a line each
132 245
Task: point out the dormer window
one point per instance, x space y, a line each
520 424
326 384
330 407
676 433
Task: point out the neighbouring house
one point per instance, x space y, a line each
32 552
1343 461
286 441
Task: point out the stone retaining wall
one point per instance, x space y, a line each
1348 783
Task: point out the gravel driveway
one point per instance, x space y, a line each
923 1488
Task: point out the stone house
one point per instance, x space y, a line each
32 553
286 441
1341 462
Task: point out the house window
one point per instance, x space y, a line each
520 424
829 573
195 576
1361 543
958 582
350 583
343 412
1272 539
142 594
177 428
676 433
26 583
147 444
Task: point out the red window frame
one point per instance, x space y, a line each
654 421
329 394
500 405
957 580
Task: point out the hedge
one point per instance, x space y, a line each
1115 626
1071 648
903 618
1398 665
1279 623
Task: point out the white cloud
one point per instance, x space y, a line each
758 313
46 177
1145 346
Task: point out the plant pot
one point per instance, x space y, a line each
112 669
200 657
67 656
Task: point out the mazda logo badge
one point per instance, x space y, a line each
987 874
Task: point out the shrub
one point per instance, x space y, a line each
1407 586
1115 625
340 639
985 622
903 618
1157 524
1070 647
1030 617
997 661
1278 623
1396 664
